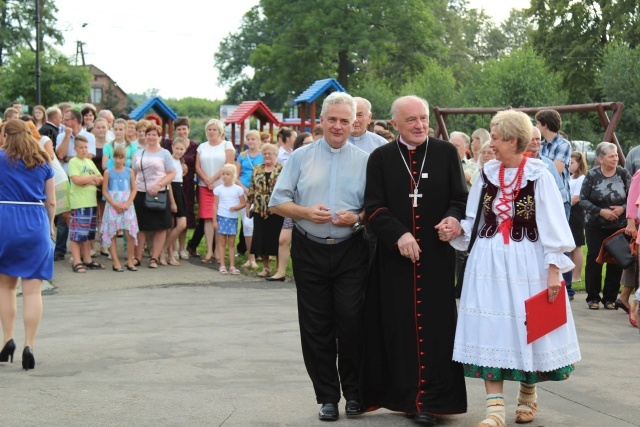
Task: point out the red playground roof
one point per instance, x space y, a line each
252 108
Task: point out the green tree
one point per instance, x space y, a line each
470 37
520 80
60 81
517 29
436 84
620 72
195 107
17 25
288 47
379 93
572 36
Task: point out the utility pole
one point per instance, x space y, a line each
80 51
38 48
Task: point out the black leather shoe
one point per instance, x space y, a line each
424 419
353 407
329 412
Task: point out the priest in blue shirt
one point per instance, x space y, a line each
360 136
322 188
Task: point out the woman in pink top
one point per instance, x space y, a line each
630 275
154 172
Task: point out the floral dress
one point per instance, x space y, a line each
112 221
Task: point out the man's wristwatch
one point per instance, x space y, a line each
358 225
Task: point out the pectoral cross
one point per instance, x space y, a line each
415 196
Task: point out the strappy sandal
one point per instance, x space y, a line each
234 271
526 412
94 266
153 261
136 262
173 262
264 273
78 268
491 421
222 269
593 305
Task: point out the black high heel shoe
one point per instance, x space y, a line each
619 304
28 361
7 351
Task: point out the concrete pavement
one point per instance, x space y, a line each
188 346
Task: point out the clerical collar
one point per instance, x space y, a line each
335 150
358 138
409 147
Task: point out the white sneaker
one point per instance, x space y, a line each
183 254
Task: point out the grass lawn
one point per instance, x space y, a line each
240 259
579 286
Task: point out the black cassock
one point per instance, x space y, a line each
410 309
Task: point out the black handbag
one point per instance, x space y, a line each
153 203
618 248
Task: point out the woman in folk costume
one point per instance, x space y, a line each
522 237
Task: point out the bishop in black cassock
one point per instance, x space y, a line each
410 308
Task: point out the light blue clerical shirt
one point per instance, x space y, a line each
318 174
368 141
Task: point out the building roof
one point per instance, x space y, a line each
318 88
97 72
252 108
156 104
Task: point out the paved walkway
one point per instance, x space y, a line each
188 346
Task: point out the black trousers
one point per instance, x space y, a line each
593 270
330 282
197 235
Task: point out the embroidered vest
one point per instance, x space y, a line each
524 215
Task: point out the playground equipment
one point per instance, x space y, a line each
257 109
609 124
308 99
161 109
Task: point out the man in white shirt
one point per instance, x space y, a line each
64 144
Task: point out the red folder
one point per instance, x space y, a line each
543 316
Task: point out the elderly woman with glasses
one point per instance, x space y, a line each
266 225
486 154
603 196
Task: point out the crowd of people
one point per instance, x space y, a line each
491 219
112 175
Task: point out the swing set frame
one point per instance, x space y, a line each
608 123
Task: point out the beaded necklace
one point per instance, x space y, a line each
507 197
